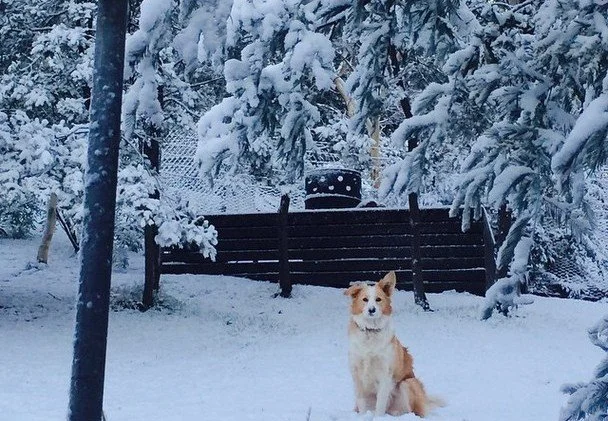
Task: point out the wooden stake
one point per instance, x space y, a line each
49 230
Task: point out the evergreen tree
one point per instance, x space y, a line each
43 109
161 90
45 77
524 72
589 401
575 56
275 64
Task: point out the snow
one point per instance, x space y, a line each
222 348
506 180
592 120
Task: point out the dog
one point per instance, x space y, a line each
382 368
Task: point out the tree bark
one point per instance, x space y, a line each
417 275
49 230
375 152
69 231
151 150
92 307
373 131
505 220
412 143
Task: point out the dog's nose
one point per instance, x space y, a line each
371 310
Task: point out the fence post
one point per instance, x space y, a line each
284 279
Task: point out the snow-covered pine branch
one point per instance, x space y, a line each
589 401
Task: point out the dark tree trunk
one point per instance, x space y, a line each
69 231
92 308
505 220
151 150
417 275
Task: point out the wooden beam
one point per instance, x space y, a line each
284 278
49 230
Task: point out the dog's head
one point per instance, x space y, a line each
371 304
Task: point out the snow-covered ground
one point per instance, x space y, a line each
220 348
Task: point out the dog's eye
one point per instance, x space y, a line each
365 300
378 299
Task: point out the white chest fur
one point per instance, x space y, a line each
371 357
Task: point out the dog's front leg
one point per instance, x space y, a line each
385 387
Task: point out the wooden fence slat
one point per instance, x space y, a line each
243 220
225 233
430 276
349 265
471 250
450 251
365 215
233 244
314 266
381 240
363 241
230 268
402 227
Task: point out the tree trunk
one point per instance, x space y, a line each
92 307
505 220
348 101
373 131
417 275
375 152
49 230
69 231
151 150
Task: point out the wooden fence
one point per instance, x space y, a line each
335 247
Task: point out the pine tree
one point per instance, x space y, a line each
44 109
589 401
160 91
514 94
276 63
575 55
43 124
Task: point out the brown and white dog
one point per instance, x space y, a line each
381 367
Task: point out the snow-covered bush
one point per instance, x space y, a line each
589 401
19 212
505 294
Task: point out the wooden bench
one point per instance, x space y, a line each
335 247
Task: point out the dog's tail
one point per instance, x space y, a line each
420 402
433 402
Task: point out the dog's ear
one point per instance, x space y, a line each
354 289
387 284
